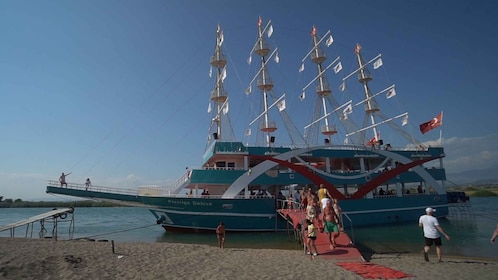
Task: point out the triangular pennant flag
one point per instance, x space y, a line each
348 110
248 90
404 121
221 39
391 93
277 59
301 69
209 108
249 60
346 141
224 74
248 132
210 71
302 96
343 117
342 87
378 63
338 67
270 31
225 109
329 41
281 105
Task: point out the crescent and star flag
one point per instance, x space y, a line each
435 122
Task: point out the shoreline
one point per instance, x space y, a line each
83 259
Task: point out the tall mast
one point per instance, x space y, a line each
322 86
327 108
220 128
265 84
371 106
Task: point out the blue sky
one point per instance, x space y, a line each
118 90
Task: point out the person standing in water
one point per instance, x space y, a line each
220 233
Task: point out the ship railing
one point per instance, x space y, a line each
94 188
350 226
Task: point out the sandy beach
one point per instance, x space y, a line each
82 259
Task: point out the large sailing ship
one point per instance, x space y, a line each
242 185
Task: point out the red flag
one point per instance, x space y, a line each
435 122
357 49
313 31
372 141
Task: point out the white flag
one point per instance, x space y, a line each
338 67
302 96
329 41
404 121
348 110
209 108
249 60
281 105
302 68
342 87
378 63
343 117
221 39
346 141
270 31
391 93
277 59
225 109
248 90
224 74
248 132
210 72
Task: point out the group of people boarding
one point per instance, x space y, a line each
324 211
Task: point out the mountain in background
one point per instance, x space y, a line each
475 177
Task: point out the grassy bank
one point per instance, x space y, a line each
476 191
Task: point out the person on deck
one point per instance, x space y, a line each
87 184
431 228
62 179
220 234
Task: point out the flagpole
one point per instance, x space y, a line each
441 131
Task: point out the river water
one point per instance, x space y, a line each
470 228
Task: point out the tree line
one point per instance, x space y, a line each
19 203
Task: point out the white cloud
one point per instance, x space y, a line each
471 153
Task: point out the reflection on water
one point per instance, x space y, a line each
470 229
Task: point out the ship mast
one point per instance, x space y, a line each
322 88
220 128
265 85
371 106
326 105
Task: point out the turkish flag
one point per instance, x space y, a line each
435 122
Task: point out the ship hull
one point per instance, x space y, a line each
260 214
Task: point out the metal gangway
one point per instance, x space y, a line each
55 215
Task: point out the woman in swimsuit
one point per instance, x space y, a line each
220 233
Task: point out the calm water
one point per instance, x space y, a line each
469 227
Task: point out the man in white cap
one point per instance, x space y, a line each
431 227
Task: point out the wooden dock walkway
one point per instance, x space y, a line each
345 250
53 214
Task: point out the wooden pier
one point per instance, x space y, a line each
52 216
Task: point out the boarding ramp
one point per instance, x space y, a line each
54 216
